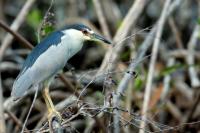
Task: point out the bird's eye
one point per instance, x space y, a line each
85 31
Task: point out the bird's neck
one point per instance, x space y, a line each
72 45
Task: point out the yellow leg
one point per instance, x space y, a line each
52 113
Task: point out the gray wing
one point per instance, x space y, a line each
22 84
44 61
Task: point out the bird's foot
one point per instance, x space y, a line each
55 119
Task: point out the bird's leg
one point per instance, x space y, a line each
52 113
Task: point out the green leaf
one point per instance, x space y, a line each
198 21
138 83
34 18
172 69
125 55
48 29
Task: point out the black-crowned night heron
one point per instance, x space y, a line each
49 58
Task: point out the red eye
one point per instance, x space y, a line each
85 32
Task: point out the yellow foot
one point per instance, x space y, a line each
55 119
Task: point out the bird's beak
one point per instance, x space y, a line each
99 38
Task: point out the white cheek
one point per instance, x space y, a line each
86 38
75 34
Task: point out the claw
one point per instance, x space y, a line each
55 119
54 115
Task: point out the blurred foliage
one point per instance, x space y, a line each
138 83
198 21
172 69
99 97
47 29
37 21
34 18
125 56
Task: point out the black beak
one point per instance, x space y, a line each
98 37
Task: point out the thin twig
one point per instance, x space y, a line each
174 110
192 110
2 119
69 86
29 112
170 61
120 90
101 18
153 61
39 30
176 32
130 20
16 120
141 53
195 82
167 79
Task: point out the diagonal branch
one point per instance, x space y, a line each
147 94
23 41
15 26
130 20
101 18
195 82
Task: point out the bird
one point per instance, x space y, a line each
48 58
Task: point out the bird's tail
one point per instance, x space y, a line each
20 86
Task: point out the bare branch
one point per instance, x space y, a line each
195 82
2 119
101 18
16 35
152 62
130 20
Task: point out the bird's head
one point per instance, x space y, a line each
80 31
